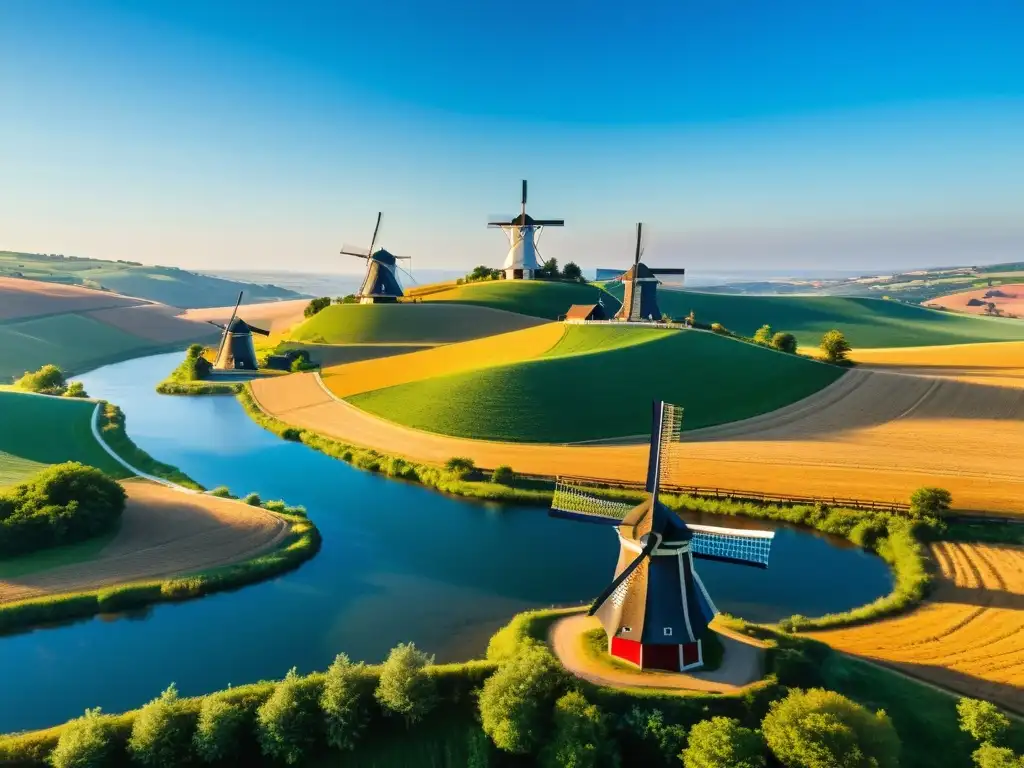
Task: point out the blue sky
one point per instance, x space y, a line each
860 135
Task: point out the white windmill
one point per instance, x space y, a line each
523 232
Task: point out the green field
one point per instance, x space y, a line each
73 342
48 430
866 322
598 382
539 298
168 285
426 323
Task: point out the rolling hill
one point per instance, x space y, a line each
39 430
598 382
867 323
425 323
549 299
167 285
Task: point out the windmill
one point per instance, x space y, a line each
523 232
380 285
236 350
640 283
656 609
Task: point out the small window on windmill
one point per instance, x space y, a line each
668 631
625 630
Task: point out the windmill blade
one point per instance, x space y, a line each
651 543
731 545
407 272
524 195
224 336
666 427
260 331
217 325
639 242
376 229
573 503
354 250
549 222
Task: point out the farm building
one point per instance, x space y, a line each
585 312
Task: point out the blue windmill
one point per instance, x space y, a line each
657 609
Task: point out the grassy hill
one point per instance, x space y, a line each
425 322
866 322
598 382
540 298
41 430
167 285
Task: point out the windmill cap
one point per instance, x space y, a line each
238 325
639 271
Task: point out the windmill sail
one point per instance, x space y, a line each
666 428
731 545
577 504
224 336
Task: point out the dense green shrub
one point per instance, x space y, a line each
316 305
188 378
219 729
405 687
84 743
835 346
75 389
48 380
252 499
161 732
61 504
784 342
720 329
991 756
460 467
763 335
579 736
222 491
287 722
982 719
503 475
722 742
930 502
345 702
795 669
649 739
823 729
515 703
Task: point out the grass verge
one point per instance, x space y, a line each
112 431
302 542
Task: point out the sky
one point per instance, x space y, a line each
746 135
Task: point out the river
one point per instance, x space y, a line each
399 563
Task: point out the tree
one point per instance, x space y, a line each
515 703
723 743
580 738
344 702
503 475
286 722
572 271
991 756
348 298
835 347
483 272
84 743
75 389
931 502
316 305
763 335
460 466
219 729
981 719
549 268
784 342
48 380
160 733
405 687
823 729
650 739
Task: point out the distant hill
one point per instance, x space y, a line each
867 323
598 382
167 285
549 299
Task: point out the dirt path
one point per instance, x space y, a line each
164 532
967 637
742 664
871 435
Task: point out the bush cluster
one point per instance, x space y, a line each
188 378
61 504
50 380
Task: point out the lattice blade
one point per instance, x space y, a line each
577 504
666 428
731 545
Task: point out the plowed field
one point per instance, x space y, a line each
163 533
154 322
365 376
275 316
1010 300
968 636
870 435
32 298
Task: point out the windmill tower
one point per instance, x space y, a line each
236 350
380 284
523 232
656 609
640 283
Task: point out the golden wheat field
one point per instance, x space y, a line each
512 347
871 435
968 636
163 532
996 364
